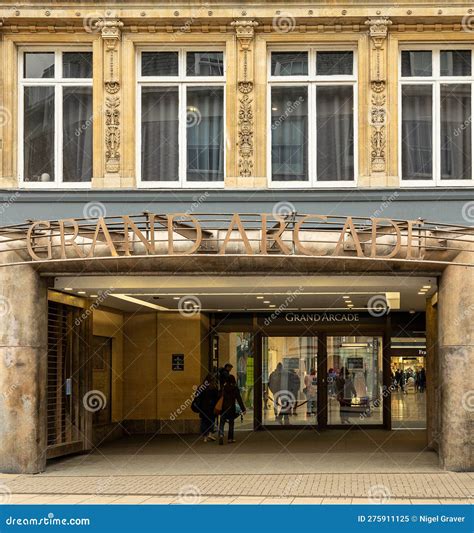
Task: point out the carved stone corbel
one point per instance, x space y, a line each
110 30
245 31
378 31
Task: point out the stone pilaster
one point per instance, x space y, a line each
378 30
23 368
245 31
110 30
456 365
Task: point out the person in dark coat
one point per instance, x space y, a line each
224 374
231 394
206 402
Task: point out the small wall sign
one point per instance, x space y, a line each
177 362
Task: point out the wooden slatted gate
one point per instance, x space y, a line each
69 378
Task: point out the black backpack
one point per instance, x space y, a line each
195 405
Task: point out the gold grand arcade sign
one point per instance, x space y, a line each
263 234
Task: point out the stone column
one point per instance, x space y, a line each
378 30
110 30
245 30
456 365
23 368
432 367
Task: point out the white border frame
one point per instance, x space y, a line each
435 81
181 82
58 83
312 82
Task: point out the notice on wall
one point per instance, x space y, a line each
177 362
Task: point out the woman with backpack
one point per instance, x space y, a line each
204 403
230 395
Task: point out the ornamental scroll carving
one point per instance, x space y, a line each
378 31
245 30
111 31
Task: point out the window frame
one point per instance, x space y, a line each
311 81
58 83
182 82
435 81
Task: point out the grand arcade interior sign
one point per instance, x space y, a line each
264 234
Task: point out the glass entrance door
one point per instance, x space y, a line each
289 380
354 380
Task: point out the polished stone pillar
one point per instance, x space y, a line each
432 373
456 365
23 368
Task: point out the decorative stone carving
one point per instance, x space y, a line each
245 31
110 30
378 31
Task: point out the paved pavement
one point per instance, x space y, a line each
277 467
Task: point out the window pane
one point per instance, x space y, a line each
416 63
205 134
289 64
204 64
159 63
77 65
39 134
289 133
77 134
456 146
160 149
39 65
335 133
417 132
334 63
455 63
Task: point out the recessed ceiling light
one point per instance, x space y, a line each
259 297
68 288
176 298
220 310
426 286
350 306
422 293
266 301
346 297
94 295
273 305
412 311
81 292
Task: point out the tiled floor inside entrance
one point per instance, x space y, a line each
263 467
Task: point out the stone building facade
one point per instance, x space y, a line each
329 109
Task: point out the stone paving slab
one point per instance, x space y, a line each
445 485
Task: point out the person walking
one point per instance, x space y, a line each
205 402
224 374
230 396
